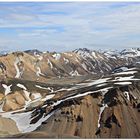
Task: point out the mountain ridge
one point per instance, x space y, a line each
82 94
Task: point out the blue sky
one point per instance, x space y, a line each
64 26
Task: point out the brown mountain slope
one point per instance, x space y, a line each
107 107
119 120
46 65
69 95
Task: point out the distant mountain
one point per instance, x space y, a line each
3 53
132 52
33 52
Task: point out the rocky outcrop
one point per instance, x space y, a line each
80 117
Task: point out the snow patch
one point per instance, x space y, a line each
127 95
18 74
74 73
27 94
101 111
49 62
101 85
94 55
99 81
48 88
36 95
125 72
38 72
23 120
84 66
123 83
41 87
1 107
7 88
22 86
48 97
57 56
66 60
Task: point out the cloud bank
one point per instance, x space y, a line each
66 26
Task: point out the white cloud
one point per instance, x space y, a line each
83 23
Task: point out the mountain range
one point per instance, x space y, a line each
77 94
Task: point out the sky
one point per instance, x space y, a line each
65 26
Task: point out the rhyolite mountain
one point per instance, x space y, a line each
34 64
78 94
